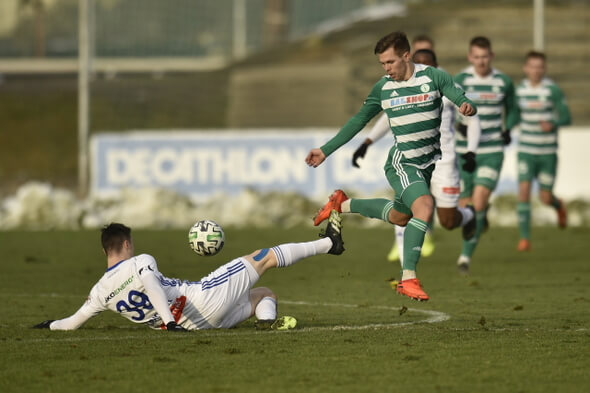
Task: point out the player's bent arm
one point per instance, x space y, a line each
449 89
156 294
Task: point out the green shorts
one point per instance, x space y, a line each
486 173
408 182
542 167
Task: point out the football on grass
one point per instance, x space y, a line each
206 238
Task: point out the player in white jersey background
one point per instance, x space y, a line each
543 109
493 93
133 286
445 178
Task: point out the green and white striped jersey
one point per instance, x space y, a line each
414 111
494 96
537 103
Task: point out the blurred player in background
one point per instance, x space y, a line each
493 93
543 110
419 42
411 96
133 287
422 41
444 185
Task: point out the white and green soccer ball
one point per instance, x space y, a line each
206 238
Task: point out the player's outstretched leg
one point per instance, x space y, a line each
334 203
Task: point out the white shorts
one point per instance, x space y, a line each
222 298
444 184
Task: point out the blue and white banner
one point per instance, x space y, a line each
207 162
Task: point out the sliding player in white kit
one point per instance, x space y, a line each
445 178
134 287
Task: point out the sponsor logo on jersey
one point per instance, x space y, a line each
530 104
394 94
484 96
415 99
118 290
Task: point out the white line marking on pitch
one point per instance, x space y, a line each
433 317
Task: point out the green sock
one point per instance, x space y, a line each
372 208
524 219
413 240
469 245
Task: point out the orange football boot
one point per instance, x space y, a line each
412 289
333 203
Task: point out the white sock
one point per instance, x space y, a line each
266 309
408 274
399 239
466 214
288 254
345 206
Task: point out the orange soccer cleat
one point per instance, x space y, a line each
412 289
524 245
562 215
333 203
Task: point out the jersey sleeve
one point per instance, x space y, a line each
149 275
371 107
560 103
510 105
90 308
449 88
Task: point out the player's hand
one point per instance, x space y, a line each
506 138
469 164
466 109
359 153
315 158
173 327
546 126
44 324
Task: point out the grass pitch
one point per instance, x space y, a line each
518 323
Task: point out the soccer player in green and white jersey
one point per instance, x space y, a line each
411 95
493 93
543 110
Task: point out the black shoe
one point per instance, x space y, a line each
469 228
333 231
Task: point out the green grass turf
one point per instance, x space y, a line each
519 323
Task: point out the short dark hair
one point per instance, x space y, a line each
113 236
423 37
426 52
534 54
481 42
396 40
